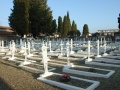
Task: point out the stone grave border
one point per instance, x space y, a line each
101 64
69 87
87 73
24 66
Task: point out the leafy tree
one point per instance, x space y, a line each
60 24
19 18
85 30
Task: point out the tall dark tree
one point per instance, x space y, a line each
54 27
34 12
85 30
74 27
60 24
65 30
40 17
68 22
46 21
78 33
74 31
19 18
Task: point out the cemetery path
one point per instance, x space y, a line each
13 77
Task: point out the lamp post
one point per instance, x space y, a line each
119 22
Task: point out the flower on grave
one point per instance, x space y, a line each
65 78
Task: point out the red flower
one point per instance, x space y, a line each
65 78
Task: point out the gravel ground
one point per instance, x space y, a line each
13 77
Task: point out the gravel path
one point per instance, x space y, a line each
13 77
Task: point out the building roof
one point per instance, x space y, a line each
108 30
5 27
5 30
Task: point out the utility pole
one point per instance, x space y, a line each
119 22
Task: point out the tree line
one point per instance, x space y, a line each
35 17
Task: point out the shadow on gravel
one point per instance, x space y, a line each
11 65
34 74
4 85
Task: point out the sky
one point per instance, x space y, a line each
97 14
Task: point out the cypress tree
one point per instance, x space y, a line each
40 17
78 33
46 19
34 13
65 30
85 30
60 24
19 18
54 27
68 22
74 31
73 28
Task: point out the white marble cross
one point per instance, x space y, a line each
89 59
50 46
105 47
61 48
13 51
98 45
71 47
44 56
68 53
29 54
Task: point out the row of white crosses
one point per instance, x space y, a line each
45 61
26 54
23 48
89 59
